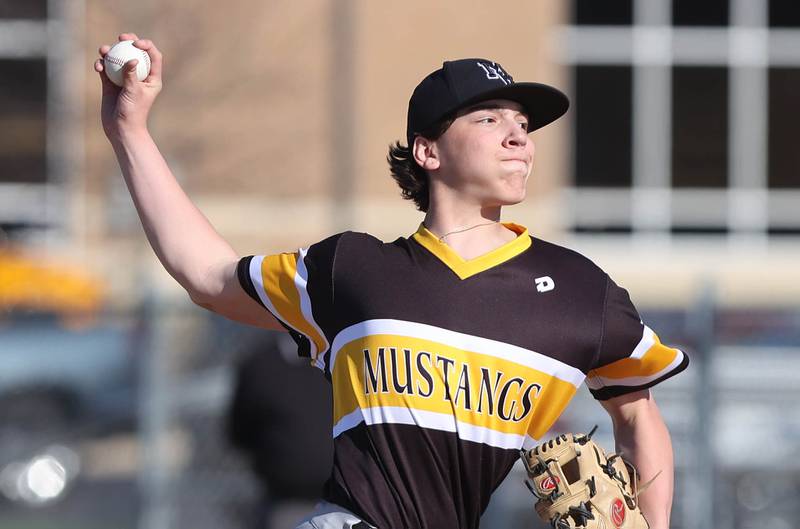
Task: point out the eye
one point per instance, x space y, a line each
486 119
523 125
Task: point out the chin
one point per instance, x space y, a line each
515 196
514 202
510 199
510 190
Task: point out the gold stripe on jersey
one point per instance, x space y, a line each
285 289
649 361
432 378
466 268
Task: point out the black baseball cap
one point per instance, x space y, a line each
458 84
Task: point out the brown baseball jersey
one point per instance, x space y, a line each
443 368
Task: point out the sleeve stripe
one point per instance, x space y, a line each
258 281
605 393
243 271
301 282
655 359
596 381
649 339
279 273
282 292
649 362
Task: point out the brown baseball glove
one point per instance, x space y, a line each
578 486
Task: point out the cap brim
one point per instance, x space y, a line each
543 103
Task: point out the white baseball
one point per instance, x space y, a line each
121 53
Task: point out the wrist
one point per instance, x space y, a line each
660 523
128 134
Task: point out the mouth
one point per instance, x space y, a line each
519 160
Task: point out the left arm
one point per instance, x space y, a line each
642 438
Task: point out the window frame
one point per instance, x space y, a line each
652 46
42 211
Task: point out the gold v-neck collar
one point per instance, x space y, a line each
464 268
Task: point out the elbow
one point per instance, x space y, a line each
201 299
213 287
203 290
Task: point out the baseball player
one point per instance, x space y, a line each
448 350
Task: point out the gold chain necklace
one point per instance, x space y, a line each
461 230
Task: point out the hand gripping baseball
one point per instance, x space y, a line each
125 109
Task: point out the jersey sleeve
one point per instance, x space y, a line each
297 288
630 357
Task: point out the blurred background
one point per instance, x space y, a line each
123 406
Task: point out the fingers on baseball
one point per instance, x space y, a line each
156 59
109 88
127 36
129 78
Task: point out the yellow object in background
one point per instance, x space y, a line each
45 284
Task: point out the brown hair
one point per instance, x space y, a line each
413 179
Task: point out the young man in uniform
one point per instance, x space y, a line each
448 350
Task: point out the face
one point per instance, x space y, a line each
486 155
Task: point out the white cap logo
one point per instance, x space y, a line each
495 71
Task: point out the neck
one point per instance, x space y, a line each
442 222
469 233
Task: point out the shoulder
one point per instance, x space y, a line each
576 275
565 258
356 241
360 238
346 240
352 248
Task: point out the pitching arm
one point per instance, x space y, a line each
643 439
184 241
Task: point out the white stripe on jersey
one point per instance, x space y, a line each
432 420
464 342
258 281
648 340
301 282
597 382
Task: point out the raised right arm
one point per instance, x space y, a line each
183 239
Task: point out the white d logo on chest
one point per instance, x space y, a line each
545 284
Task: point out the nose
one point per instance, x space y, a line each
516 135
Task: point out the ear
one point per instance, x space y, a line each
425 153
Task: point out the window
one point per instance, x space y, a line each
705 13
30 9
784 128
699 127
609 12
40 127
784 13
603 126
23 124
685 116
